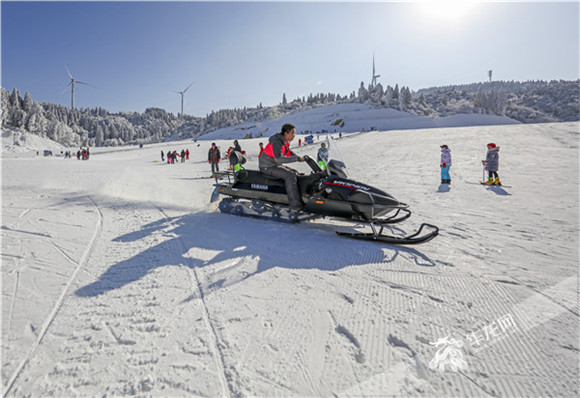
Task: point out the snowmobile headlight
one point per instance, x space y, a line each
328 190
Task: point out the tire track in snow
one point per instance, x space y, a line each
49 320
224 376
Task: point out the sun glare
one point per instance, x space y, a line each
446 10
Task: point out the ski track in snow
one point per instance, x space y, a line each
53 313
215 344
131 284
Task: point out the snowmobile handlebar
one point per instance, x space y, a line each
312 163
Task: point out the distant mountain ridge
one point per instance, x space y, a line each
526 102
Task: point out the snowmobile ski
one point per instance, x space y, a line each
378 236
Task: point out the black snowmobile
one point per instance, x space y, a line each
325 193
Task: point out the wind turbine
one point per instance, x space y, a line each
72 87
182 93
374 79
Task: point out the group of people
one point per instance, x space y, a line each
491 164
214 155
173 155
82 154
235 147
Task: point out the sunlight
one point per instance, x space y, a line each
446 10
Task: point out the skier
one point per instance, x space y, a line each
275 154
491 164
182 155
187 154
162 156
213 158
445 164
322 156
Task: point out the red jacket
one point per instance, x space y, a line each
277 152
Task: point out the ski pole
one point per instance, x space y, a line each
483 175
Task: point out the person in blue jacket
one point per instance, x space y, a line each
445 164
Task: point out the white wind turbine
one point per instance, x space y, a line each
375 77
72 87
182 93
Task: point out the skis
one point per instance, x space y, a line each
495 185
489 185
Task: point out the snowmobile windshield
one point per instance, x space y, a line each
334 165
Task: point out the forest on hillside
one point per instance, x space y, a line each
527 102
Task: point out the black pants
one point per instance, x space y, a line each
492 173
290 181
215 166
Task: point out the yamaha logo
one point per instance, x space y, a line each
259 186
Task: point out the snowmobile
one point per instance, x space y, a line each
324 193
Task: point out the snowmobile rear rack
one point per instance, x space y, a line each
222 175
396 240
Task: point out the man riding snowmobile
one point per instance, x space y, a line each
271 163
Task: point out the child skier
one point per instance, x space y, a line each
491 164
445 164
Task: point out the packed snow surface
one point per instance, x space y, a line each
119 277
352 118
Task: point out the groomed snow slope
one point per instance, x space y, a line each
356 117
119 278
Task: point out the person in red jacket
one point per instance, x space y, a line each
261 149
272 161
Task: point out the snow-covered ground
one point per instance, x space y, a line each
120 278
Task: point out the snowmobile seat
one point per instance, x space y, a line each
255 177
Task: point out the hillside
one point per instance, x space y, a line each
351 118
120 278
528 102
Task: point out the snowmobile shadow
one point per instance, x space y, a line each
226 250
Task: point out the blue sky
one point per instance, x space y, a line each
243 53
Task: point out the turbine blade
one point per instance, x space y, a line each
67 71
188 87
86 84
